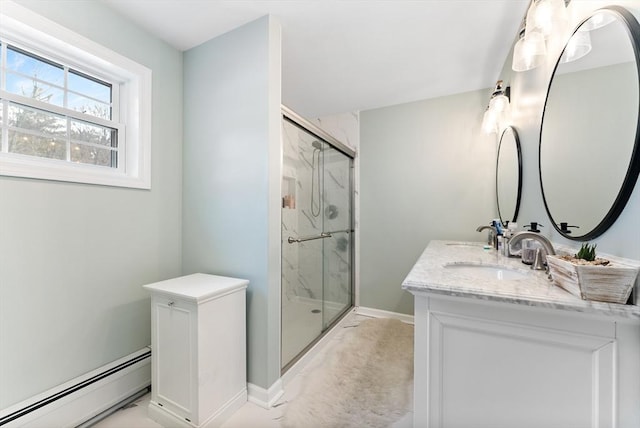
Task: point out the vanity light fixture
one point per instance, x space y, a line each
498 113
545 16
529 51
489 122
597 20
578 46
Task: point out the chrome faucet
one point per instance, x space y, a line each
541 259
493 235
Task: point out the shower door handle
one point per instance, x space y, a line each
309 238
347 231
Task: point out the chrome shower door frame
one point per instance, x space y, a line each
289 116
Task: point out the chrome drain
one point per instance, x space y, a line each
315 311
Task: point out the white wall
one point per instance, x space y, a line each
73 257
426 172
232 175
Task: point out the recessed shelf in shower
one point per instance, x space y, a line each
288 192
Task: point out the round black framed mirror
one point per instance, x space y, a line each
508 175
589 149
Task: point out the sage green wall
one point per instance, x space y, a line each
528 94
426 172
232 176
73 257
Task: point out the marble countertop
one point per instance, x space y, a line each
430 275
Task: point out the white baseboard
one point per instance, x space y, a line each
84 403
379 313
265 398
168 419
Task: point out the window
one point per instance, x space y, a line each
70 110
56 112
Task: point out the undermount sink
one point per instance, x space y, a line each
486 271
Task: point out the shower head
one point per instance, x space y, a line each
317 145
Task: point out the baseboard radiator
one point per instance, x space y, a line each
83 398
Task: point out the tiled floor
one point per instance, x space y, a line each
250 415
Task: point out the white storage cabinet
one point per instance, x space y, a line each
198 358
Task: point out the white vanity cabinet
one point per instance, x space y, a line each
198 353
484 364
518 353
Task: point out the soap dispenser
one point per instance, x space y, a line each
531 246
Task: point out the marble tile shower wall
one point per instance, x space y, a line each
302 263
297 220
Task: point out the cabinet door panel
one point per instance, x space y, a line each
496 374
173 358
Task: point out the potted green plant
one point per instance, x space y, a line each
592 278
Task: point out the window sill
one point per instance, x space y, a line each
44 169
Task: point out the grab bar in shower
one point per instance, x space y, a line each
309 238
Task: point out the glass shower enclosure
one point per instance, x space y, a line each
317 235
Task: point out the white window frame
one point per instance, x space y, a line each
29 30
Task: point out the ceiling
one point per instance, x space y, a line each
351 55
